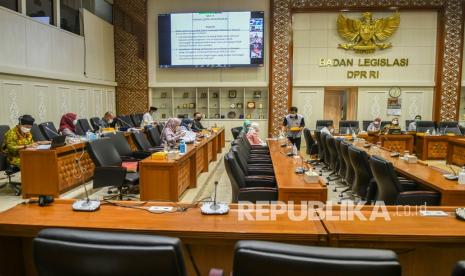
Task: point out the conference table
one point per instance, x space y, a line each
292 186
425 245
429 147
456 151
452 194
168 179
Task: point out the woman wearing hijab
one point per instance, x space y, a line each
170 133
253 135
245 127
189 135
68 124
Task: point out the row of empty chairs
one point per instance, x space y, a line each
422 126
367 178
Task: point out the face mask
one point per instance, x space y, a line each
198 118
75 122
110 121
417 120
376 123
25 130
395 122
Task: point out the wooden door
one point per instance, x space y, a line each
332 108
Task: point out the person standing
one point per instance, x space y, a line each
147 119
294 123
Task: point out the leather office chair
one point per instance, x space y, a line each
322 123
362 170
319 144
349 173
249 188
124 149
342 164
136 119
48 130
37 134
253 149
459 269
251 169
95 122
252 158
330 148
449 127
79 131
143 143
85 126
384 123
78 252
424 126
312 148
160 127
391 191
235 132
348 127
125 121
462 129
273 259
154 136
365 124
108 167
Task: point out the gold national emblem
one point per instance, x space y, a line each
367 34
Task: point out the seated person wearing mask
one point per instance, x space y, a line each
253 135
245 127
196 125
171 133
375 126
18 138
413 125
147 118
108 120
393 125
68 124
186 128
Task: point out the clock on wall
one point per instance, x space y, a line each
395 92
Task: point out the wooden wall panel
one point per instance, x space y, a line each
130 26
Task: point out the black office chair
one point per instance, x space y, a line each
349 173
154 136
424 126
326 158
252 157
384 123
95 122
37 134
348 127
78 130
407 123
333 157
342 164
108 168
365 124
363 175
136 119
125 121
160 127
319 144
235 131
143 144
391 191
323 123
249 188
459 269
79 252
449 127
124 149
273 259
85 126
49 130
310 143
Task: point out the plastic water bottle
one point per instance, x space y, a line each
88 135
182 147
462 176
165 147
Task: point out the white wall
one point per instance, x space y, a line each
225 77
310 103
315 36
42 69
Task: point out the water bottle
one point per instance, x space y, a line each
462 176
88 135
182 147
165 147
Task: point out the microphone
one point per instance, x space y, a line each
444 130
85 205
452 170
214 208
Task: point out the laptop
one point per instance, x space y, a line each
57 141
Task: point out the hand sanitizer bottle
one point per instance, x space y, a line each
462 176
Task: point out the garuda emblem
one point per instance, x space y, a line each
366 35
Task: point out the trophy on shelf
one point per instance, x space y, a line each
232 93
257 94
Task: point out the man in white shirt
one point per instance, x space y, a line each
413 125
375 126
147 119
328 129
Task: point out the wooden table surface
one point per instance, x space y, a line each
452 194
292 186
